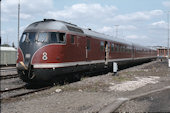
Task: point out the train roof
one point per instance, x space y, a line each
51 24
45 25
104 36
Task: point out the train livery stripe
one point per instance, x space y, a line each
67 64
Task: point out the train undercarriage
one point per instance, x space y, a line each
45 75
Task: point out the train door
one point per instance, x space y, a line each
87 48
106 52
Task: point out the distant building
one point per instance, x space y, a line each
161 51
8 55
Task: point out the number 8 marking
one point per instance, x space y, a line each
44 56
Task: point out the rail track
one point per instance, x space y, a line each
4 69
19 91
2 77
12 89
8 73
7 68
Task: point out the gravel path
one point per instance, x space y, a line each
156 102
91 94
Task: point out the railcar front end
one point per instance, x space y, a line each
38 52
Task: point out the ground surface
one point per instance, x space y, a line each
157 102
92 94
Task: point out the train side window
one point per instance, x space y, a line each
102 45
57 37
88 44
129 49
124 48
112 47
120 48
117 48
72 39
61 38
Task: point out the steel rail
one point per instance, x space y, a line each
25 93
8 76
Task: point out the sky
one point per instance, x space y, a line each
142 22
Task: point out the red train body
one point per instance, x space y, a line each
52 48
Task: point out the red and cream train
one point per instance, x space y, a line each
52 48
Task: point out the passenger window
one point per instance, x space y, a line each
130 48
72 39
42 37
57 37
117 48
102 45
125 49
112 47
121 48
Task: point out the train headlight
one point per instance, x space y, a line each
27 56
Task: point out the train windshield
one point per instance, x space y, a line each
48 37
28 37
57 37
42 37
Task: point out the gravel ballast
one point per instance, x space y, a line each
92 94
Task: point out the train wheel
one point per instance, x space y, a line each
76 77
72 78
23 76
